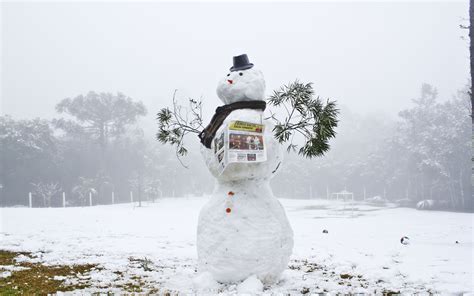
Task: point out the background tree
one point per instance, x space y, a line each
422 155
46 191
100 118
100 115
29 154
435 137
82 190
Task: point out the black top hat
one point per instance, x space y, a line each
241 62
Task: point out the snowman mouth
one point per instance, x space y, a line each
230 81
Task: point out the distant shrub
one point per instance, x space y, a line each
430 204
377 200
427 204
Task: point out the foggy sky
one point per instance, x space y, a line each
371 57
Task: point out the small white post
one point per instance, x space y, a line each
327 192
30 199
64 199
131 196
173 193
364 192
113 197
352 205
90 199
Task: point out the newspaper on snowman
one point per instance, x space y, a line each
239 142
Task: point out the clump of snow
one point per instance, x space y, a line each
204 282
7 270
376 200
13 268
251 285
22 258
5 274
426 204
405 240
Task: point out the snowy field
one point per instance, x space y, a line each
154 246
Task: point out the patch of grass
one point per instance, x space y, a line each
38 279
346 276
390 293
305 290
144 263
8 258
132 287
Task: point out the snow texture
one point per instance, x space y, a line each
244 85
243 229
360 253
205 282
251 285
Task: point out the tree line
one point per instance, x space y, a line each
96 146
423 155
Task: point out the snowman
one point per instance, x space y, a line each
243 232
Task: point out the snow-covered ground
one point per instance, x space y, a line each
155 246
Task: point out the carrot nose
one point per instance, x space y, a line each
230 81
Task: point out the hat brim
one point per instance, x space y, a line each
244 67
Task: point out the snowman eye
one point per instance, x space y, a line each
228 75
241 73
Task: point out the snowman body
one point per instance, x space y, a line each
243 229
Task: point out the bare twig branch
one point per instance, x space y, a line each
175 124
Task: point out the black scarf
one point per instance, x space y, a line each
221 114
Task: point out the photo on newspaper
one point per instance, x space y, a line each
218 142
239 142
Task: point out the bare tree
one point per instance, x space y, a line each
85 187
46 191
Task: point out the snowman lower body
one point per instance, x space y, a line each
243 231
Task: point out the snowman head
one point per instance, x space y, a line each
242 83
